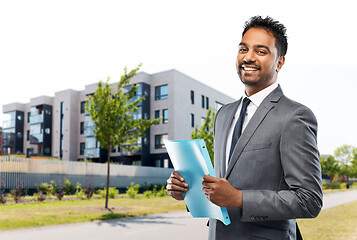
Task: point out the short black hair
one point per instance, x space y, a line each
272 26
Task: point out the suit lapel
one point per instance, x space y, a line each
227 122
259 115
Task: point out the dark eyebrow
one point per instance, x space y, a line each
257 46
263 46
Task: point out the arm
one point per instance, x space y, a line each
301 172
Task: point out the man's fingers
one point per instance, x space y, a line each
176 182
208 178
175 187
176 175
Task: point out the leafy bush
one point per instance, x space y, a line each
343 185
58 191
69 187
44 188
132 190
162 192
17 192
3 195
113 192
39 195
148 194
79 191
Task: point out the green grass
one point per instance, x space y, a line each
332 224
35 214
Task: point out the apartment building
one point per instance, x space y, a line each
59 126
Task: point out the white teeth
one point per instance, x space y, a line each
250 69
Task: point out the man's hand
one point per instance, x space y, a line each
176 186
220 192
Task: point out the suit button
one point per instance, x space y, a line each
252 218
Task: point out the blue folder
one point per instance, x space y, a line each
190 158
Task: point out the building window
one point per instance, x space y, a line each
83 104
203 101
161 92
28 135
165 116
192 120
158 163
82 146
207 103
192 97
218 106
159 141
81 131
157 115
166 163
28 117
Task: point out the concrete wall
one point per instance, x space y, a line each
14 170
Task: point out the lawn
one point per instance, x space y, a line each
332 224
35 214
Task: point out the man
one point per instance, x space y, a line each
266 156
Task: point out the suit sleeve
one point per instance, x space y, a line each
301 172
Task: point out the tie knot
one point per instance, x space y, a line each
246 102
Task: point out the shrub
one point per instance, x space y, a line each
39 195
3 195
79 191
58 190
113 192
68 187
44 188
162 192
17 192
148 194
132 190
343 185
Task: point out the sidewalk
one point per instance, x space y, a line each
174 226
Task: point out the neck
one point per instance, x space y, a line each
253 89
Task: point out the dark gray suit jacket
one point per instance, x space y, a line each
276 165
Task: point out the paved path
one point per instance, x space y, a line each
174 226
335 199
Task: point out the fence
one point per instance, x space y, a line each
29 172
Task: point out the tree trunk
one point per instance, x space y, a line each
108 177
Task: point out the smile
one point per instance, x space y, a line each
245 68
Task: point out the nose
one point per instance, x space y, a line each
249 57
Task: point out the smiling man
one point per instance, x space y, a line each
266 156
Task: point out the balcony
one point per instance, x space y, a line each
36 118
8 124
89 132
36 138
91 152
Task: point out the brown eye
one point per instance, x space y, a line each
242 50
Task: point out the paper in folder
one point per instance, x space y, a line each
190 158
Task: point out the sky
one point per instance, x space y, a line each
48 46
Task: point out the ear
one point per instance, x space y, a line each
280 64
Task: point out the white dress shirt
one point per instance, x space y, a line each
256 100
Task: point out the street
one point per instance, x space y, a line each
174 226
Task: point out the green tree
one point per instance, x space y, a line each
347 157
329 166
111 111
206 132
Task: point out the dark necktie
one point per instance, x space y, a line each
238 127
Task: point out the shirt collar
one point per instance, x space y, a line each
258 97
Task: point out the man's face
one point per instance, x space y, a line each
257 61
